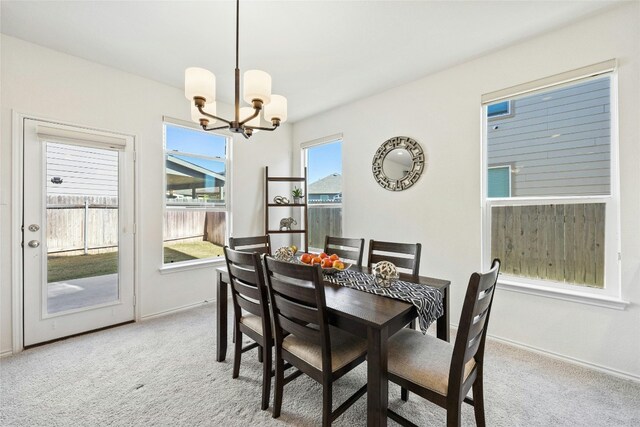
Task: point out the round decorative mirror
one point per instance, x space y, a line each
398 163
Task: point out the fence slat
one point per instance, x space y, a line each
324 220
563 243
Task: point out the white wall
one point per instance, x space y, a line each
49 84
442 112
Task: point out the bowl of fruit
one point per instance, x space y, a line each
330 264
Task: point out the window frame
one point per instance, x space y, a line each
219 207
611 294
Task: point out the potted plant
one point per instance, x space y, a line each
297 195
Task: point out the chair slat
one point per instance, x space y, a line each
345 247
397 261
483 303
299 293
250 306
246 290
472 347
479 324
392 252
242 273
259 244
295 310
304 332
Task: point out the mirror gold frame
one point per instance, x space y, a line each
417 160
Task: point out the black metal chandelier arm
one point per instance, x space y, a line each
204 113
253 116
205 128
263 128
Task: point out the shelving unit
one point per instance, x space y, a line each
268 201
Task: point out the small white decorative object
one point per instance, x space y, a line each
385 271
284 254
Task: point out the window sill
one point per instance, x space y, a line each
191 265
563 294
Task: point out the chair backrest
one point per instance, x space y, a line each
403 255
345 248
259 244
296 293
248 289
472 328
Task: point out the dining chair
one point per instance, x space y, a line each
259 244
324 353
251 312
345 248
405 256
441 372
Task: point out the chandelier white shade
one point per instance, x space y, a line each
199 82
277 109
200 89
257 85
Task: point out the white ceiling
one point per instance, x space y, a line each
321 54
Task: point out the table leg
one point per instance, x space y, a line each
442 325
221 326
377 378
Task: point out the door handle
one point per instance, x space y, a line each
34 244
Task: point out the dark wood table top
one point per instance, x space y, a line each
372 309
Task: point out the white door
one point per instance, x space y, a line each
78 242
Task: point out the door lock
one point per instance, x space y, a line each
34 227
34 244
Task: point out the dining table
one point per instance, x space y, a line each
367 315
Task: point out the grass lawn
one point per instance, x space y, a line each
184 251
60 268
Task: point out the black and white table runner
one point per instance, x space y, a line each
426 299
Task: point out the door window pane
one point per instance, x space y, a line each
82 226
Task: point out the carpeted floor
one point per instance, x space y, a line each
163 372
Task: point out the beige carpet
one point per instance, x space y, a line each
163 372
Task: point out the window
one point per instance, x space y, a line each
324 185
550 204
499 181
196 189
499 109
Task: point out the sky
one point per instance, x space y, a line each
196 142
324 160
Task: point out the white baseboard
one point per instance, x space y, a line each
575 361
6 353
176 309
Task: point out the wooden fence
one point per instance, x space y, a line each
184 224
81 223
77 224
563 243
324 220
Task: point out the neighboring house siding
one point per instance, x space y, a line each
557 143
84 171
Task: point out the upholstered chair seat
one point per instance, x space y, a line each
423 359
345 348
252 321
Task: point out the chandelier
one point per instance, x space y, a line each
200 87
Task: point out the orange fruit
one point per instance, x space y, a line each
327 263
